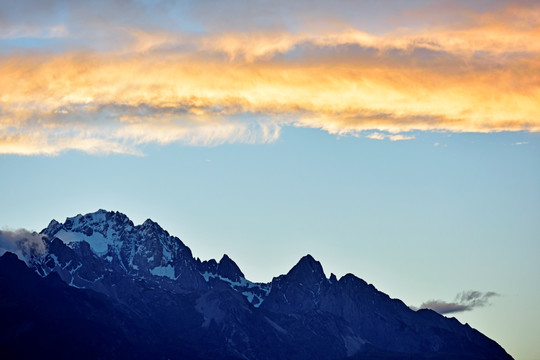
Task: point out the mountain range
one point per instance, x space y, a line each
106 288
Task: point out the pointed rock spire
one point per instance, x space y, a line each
228 269
308 269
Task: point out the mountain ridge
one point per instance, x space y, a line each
154 275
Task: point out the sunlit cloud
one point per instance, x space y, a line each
380 136
166 85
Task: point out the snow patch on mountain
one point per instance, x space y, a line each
164 271
98 243
243 286
251 298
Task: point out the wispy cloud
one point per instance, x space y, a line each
51 32
213 82
380 136
464 301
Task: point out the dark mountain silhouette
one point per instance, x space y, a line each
106 288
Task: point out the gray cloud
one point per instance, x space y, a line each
22 242
464 301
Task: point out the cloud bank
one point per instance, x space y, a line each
464 301
164 73
22 242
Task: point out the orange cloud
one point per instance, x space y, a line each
164 88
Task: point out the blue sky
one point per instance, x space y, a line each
418 221
400 144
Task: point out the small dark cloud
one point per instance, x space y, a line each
22 242
464 301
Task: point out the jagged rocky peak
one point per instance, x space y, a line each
300 290
112 225
207 266
228 269
88 250
353 286
101 230
102 221
352 280
308 270
53 227
150 225
152 233
333 279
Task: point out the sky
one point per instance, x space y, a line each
399 141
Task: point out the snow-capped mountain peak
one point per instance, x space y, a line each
117 247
